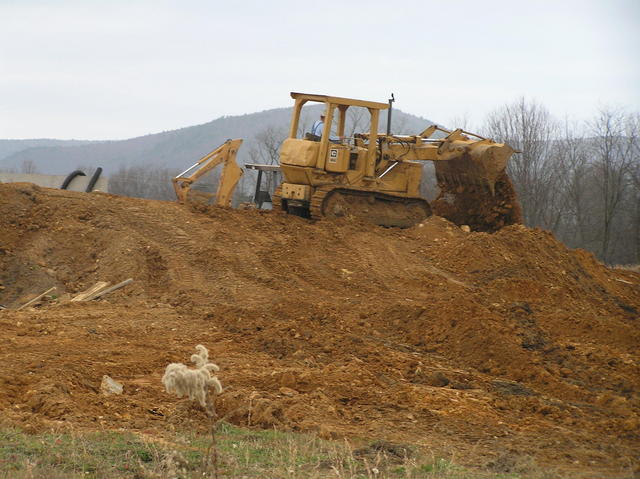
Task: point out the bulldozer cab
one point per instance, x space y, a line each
325 154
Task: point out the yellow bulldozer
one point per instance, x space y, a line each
376 177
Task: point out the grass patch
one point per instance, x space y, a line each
101 454
243 453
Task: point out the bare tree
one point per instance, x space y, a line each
613 144
267 152
267 148
633 126
461 121
575 176
529 128
29 167
144 181
358 120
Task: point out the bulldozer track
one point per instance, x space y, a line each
318 204
315 209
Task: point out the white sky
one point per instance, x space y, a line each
118 69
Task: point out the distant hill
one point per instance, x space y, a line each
10 147
176 149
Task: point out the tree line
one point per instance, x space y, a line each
580 181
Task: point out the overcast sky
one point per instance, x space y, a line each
119 69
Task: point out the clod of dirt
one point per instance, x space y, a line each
511 388
437 379
479 210
399 452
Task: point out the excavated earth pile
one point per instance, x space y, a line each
478 208
493 347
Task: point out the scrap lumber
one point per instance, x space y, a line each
99 286
104 292
37 298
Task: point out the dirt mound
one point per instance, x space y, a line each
476 207
502 344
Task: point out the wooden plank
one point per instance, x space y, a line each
99 286
104 292
50 290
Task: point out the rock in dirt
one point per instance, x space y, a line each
109 386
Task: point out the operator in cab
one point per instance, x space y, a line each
318 128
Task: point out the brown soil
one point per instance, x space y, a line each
478 208
492 347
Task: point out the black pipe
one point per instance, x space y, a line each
70 178
391 100
93 180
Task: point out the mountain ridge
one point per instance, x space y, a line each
177 148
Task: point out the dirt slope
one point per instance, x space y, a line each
493 346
